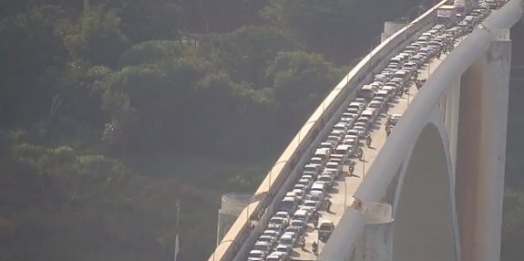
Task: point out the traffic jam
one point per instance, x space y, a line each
303 205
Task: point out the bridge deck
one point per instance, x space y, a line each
342 192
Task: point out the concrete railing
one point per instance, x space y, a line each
253 219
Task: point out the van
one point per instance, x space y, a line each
325 229
313 169
341 152
356 105
341 126
370 114
289 204
302 215
392 90
322 153
367 92
319 186
384 94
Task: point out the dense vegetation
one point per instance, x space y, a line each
110 110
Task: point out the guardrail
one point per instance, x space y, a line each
254 218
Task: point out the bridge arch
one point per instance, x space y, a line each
424 209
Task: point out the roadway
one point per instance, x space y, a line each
341 195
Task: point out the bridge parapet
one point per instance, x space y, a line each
286 170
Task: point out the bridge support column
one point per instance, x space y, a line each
452 120
376 242
481 151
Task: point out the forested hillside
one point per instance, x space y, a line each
110 110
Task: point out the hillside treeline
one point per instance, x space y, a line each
102 101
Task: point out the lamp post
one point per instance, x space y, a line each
271 171
225 241
363 163
345 195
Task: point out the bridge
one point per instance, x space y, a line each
433 188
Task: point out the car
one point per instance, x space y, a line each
297 223
363 123
390 89
311 204
283 248
316 196
278 256
298 229
269 239
341 126
288 239
325 229
307 182
271 232
275 227
299 187
255 255
282 214
300 193
335 166
288 204
302 215
275 256
327 145
326 179
360 130
312 169
278 220
375 104
263 246
353 137
318 186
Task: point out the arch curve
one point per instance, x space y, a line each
424 209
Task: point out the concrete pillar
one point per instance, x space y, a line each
376 243
481 151
391 28
452 121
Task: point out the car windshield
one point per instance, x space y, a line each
325 178
296 223
261 247
278 221
310 204
286 241
281 249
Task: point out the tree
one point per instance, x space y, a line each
97 38
300 81
246 52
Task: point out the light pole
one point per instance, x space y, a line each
363 163
345 195
271 171
300 131
225 241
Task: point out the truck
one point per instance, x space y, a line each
447 15
464 7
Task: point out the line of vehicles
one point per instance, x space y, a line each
303 202
456 10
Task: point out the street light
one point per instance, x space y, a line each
271 171
225 241
345 195
363 163
300 131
